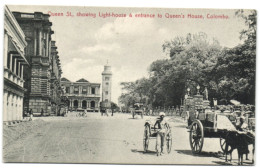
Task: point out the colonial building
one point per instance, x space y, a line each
42 77
82 94
56 90
14 61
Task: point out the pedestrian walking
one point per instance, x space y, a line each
31 115
112 112
42 112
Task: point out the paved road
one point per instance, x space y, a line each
97 139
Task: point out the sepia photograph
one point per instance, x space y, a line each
129 85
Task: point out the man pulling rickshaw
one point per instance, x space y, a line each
162 127
160 131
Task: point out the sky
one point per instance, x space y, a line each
130 45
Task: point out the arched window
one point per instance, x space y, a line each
92 104
84 104
75 104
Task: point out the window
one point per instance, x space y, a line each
67 89
93 91
107 83
106 92
84 91
76 90
107 78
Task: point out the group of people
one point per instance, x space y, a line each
105 111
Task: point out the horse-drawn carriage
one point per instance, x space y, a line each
203 122
150 132
138 108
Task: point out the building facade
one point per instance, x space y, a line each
56 90
14 62
106 84
43 75
81 94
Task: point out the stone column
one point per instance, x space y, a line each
35 42
8 106
71 89
72 103
22 71
97 91
43 41
89 90
15 62
47 45
5 106
11 62
5 49
40 42
20 108
18 69
79 103
80 90
15 107
14 112
49 48
10 111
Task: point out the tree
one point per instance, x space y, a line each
228 73
235 69
135 92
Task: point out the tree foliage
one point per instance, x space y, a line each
227 73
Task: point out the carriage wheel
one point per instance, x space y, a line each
146 138
169 142
196 137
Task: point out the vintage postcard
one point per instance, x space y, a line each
129 85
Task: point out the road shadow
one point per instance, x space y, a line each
222 163
135 118
234 162
148 152
202 154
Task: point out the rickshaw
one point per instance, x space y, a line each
150 132
137 109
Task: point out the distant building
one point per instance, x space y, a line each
81 94
106 84
43 76
14 62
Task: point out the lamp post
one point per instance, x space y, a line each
198 89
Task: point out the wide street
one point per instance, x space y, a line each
97 139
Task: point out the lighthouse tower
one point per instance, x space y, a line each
106 84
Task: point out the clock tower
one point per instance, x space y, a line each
106 84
